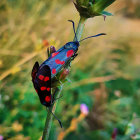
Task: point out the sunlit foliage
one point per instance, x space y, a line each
105 75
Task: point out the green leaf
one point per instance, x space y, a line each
102 4
105 13
130 129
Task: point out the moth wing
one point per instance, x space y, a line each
44 76
34 70
43 81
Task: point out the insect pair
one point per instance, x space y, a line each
42 75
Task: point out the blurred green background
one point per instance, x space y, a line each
105 75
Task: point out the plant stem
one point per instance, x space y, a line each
49 115
48 122
80 28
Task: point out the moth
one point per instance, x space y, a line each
42 75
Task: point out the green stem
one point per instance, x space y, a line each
48 122
80 28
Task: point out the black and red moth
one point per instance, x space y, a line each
41 78
42 75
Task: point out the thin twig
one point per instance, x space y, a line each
48 122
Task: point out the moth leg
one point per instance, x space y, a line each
58 89
59 80
55 99
58 98
73 57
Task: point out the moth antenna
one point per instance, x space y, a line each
56 118
73 28
93 36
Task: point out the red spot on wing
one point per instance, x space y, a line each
36 90
41 77
47 98
70 53
54 54
48 89
62 62
43 88
59 62
53 71
46 78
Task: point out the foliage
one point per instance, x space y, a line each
104 76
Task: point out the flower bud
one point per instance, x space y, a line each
64 74
51 50
114 134
92 8
84 109
1 137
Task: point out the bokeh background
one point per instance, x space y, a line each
105 75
